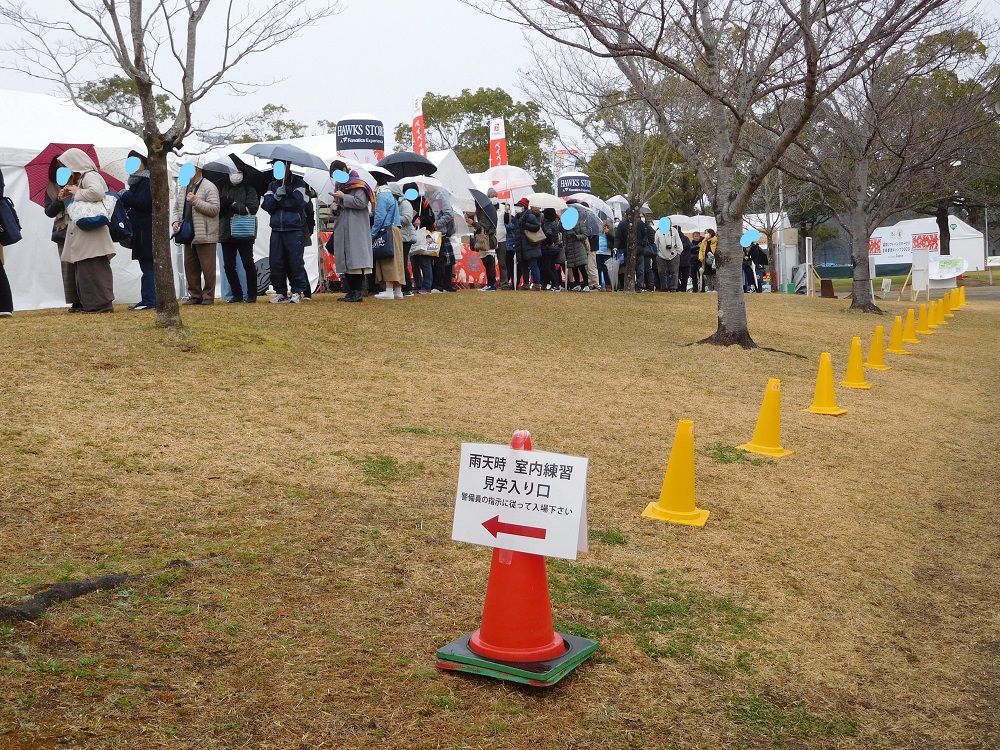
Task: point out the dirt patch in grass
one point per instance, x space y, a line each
842 597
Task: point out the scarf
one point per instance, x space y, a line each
353 183
133 179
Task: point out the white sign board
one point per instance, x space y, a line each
526 501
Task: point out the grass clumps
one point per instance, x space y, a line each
727 454
783 723
473 437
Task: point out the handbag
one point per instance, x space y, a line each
534 236
481 242
243 227
185 232
382 244
10 225
91 215
433 244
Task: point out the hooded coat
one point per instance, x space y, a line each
139 201
577 243
82 244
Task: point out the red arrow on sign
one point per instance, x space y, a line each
496 526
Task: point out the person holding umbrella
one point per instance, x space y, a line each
237 198
352 239
285 200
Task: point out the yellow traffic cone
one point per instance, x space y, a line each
961 295
766 438
875 359
946 302
676 503
923 328
825 399
932 315
855 377
896 339
939 312
909 331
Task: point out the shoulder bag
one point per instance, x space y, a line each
382 245
185 233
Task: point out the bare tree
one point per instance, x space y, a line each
156 45
614 124
742 61
907 131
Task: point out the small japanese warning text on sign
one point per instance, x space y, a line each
527 501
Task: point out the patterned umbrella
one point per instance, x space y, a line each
39 169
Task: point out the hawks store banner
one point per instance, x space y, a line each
361 139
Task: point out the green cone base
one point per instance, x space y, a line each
458 657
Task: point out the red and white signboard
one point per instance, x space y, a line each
498 143
419 135
526 501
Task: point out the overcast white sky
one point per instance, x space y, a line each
374 57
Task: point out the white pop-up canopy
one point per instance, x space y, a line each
893 246
30 123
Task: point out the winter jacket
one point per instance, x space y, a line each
352 237
80 243
288 213
235 200
386 211
686 252
138 199
55 209
621 235
577 243
647 239
410 232
528 221
482 225
757 255
607 244
709 244
669 246
204 211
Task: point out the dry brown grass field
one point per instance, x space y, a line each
843 597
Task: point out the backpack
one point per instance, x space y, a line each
10 225
120 225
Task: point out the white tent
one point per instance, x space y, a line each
893 245
30 123
454 176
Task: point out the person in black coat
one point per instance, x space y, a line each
138 200
684 269
646 240
6 298
551 249
759 258
237 197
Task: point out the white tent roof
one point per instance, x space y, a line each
454 177
928 224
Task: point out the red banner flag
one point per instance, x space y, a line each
498 143
419 136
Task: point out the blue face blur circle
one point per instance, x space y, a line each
665 225
411 194
569 218
278 170
62 175
186 174
133 164
341 176
749 237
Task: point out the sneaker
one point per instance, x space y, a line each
6 314
397 293
306 298
280 299
408 294
295 298
437 291
228 301
577 288
585 289
555 289
387 294
191 301
488 288
423 291
140 306
252 301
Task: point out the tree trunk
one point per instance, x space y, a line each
944 229
631 249
733 327
167 312
861 294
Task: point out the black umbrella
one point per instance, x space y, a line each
408 164
258 180
485 205
287 152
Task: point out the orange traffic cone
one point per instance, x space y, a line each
876 360
766 438
855 377
517 623
896 338
909 330
923 327
825 398
676 503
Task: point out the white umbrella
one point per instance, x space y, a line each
507 177
321 181
546 200
602 209
618 201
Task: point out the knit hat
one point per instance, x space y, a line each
523 202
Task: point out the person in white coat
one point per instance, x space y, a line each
668 258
